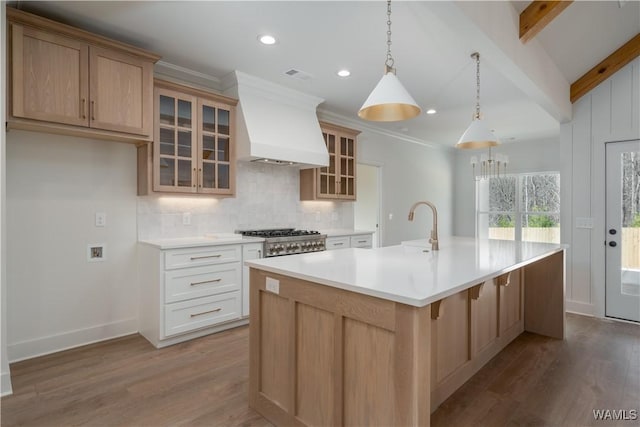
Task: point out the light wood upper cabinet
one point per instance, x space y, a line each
193 149
65 80
121 92
338 180
50 77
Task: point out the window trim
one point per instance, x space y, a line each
517 213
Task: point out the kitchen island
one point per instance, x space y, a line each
383 336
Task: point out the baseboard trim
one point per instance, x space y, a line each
50 344
5 381
582 308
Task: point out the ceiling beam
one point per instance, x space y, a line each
491 28
605 69
538 15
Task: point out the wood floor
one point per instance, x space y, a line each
535 381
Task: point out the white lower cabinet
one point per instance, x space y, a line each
362 241
351 241
337 242
190 292
249 251
185 316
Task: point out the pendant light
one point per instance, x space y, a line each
389 101
477 134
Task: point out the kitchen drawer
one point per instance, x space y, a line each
361 241
337 242
205 255
195 282
186 316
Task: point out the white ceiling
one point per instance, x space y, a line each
215 38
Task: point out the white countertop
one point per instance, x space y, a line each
208 240
406 273
336 232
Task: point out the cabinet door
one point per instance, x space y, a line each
121 96
249 251
216 148
50 77
174 142
337 242
347 168
328 176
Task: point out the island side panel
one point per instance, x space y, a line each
471 327
352 359
544 307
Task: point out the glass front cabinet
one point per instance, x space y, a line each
193 144
337 181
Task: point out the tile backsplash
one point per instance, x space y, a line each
267 196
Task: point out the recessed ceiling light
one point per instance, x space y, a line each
431 111
344 73
267 39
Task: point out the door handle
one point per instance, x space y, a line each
613 244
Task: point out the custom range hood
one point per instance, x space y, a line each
276 124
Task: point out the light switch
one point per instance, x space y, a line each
101 219
390 216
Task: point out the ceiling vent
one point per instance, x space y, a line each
298 74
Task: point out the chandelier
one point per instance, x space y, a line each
492 165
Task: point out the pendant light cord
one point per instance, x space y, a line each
476 55
389 62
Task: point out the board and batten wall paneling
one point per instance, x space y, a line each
55 185
5 377
609 113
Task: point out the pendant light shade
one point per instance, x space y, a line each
389 101
477 135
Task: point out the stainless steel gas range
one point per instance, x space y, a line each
288 241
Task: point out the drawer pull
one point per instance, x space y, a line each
362 241
205 281
193 258
338 244
206 312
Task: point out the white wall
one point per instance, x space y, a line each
610 112
5 378
55 185
410 172
267 196
524 156
367 206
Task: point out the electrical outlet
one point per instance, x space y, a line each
186 218
390 216
101 219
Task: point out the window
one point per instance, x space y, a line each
519 207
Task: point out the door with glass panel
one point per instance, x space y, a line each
215 168
623 230
174 142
